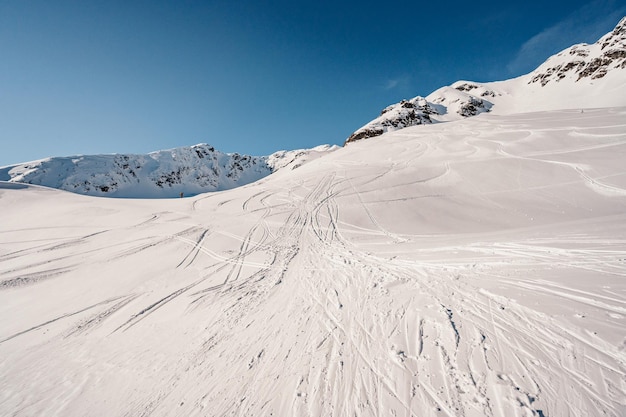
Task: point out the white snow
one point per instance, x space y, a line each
580 77
472 268
162 174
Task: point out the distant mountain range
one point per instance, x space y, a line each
582 76
169 173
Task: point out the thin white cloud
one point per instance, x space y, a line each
391 84
395 83
586 24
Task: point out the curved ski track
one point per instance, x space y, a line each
274 300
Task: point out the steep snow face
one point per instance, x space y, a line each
474 268
583 76
170 173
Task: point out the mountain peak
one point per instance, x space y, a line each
586 61
581 76
620 30
182 171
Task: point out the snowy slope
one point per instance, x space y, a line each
580 77
188 170
474 268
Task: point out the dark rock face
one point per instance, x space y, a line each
364 134
612 56
472 107
466 87
419 111
617 36
467 99
407 113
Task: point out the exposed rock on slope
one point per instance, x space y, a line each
582 61
187 170
581 76
462 99
407 113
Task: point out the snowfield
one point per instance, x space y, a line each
473 268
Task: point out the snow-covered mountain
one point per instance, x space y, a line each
187 170
582 76
467 269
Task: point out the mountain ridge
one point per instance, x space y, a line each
473 269
182 171
581 76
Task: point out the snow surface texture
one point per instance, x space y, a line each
583 76
474 268
188 170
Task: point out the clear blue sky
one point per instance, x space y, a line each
84 77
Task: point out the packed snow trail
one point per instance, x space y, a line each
468 269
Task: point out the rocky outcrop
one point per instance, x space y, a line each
168 173
187 170
462 99
407 113
582 64
471 107
586 61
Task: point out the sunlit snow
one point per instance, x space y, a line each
474 268
470 268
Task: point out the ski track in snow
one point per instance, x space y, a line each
467 270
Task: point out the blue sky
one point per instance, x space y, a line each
84 77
